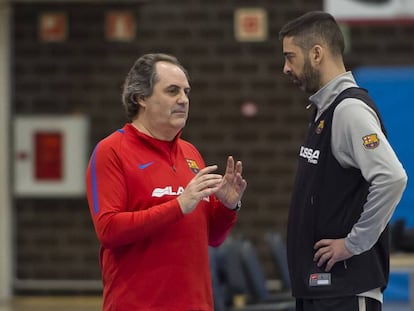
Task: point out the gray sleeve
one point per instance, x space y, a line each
379 165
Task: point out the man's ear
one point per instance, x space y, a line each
316 54
140 100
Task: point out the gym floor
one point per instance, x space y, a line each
53 303
93 303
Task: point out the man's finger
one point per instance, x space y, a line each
323 259
322 243
329 265
230 165
208 169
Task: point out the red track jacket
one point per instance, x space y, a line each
153 257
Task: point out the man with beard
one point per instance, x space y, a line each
349 179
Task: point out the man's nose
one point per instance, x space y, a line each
183 98
286 69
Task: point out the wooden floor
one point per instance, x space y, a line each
66 303
92 303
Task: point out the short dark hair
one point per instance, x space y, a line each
141 78
312 28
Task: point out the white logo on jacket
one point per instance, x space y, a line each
160 192
311 155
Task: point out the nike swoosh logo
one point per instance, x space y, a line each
145 165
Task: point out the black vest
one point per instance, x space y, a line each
327 201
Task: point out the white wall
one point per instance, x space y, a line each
6 267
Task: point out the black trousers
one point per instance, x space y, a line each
350 303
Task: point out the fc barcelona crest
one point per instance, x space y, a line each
320 127
371 141
192 164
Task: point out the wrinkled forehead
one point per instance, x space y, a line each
169 73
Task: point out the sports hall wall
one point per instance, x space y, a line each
54 237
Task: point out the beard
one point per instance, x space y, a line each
309 80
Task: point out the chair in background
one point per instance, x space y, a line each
230 271
254 272
257 281
402 238
218 286
277 247
244 281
